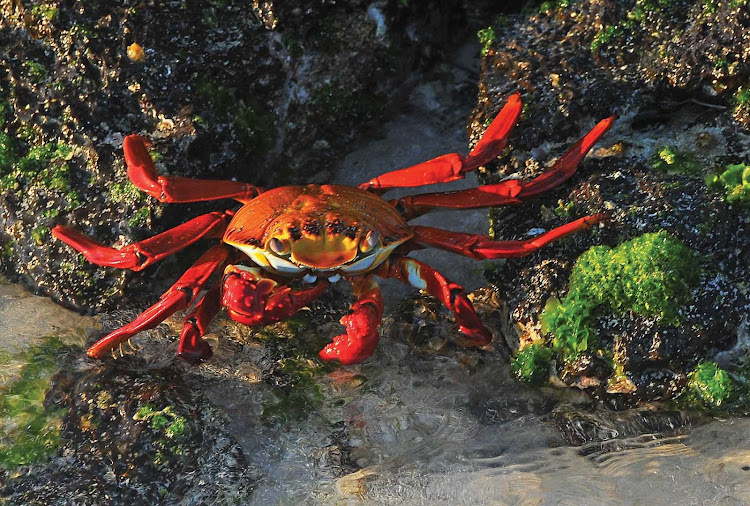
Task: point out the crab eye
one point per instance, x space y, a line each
278 247
369 241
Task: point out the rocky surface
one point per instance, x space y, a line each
265 93
673 73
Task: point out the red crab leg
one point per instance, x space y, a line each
179 296
510 191
253 299
453 296
175 189
453 166
480 247
139 255
361 325
193 348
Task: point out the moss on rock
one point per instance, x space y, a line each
735 182
531 363
31 431
709 386
652 275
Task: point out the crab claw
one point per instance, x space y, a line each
361 325
252 299
361 336
193 349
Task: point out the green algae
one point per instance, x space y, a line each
709 387
673 160
140 218
633 24
124 191
549 7
741 97
486 38
651 275
42 167
47 11
40 234
31 431
37 72
605 36
531 364
734 182
564 210
300 391
170 431
254 126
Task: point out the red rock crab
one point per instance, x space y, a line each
318 234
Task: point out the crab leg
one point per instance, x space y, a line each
453 296
453 166
480 247
510 191
193 348
175 189
253 299
179 296
139 255
361 325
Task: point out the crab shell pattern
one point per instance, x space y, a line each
284 246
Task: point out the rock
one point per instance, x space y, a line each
677 95
225 90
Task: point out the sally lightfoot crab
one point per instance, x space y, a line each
284 246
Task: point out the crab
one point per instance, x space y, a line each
283 247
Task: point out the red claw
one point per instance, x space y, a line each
254 300
361 325
361 336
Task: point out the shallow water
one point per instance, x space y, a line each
432 432
453 430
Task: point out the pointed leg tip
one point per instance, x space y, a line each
195 358
479 336
97 353
597 218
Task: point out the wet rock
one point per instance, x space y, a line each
134 436
266 93
579 428
677 102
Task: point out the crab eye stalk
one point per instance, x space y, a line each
369 241
278 246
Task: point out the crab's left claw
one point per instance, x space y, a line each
361 325
255 300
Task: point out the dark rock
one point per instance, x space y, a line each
134 436
270 93
673 72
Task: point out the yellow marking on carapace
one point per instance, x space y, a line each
323 224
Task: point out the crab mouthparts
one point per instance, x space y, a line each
312 278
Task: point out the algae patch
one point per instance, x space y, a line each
30 430
651 275
709 386
734 182
168 427
531 363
